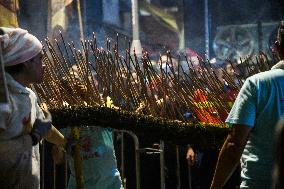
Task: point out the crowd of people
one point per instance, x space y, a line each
257 108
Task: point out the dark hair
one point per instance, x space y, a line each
280 35
2 32
16 69
278 172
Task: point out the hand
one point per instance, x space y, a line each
43 106
190 156
57 154
41 127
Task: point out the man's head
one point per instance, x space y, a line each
279 44
22 54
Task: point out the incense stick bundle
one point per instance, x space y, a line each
86 76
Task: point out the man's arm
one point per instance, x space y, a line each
229 156
55 137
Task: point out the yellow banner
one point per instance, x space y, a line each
57 17
8 18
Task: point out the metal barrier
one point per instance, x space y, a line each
44 170
137 156
138 151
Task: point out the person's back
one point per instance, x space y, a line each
257 108
267 92
99 164
278 172
99 161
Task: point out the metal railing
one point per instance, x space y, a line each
138 151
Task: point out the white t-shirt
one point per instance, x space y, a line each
19 160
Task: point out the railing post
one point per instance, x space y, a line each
137 157
162 164
42 163
178 167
